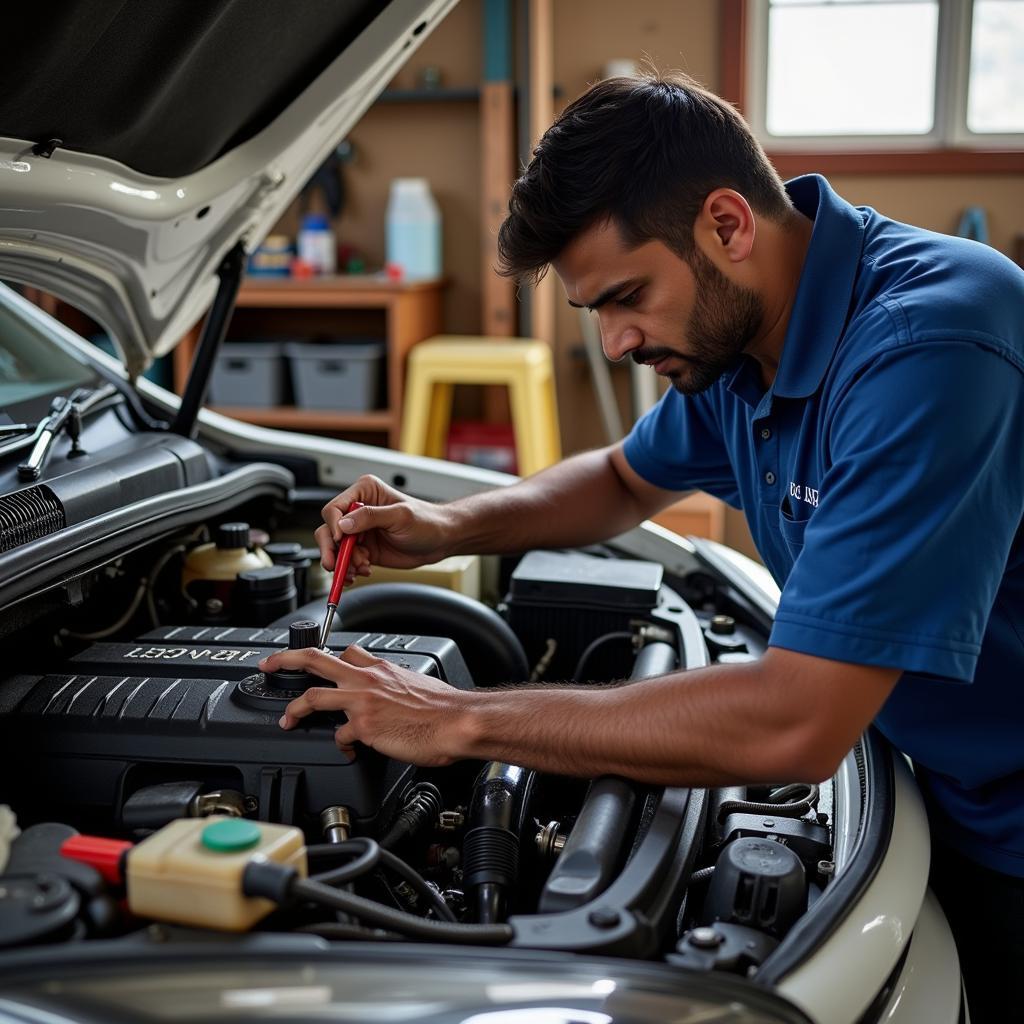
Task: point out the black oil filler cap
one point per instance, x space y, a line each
232 535
304 633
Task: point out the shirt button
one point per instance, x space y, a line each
769 477
765 433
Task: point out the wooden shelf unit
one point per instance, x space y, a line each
411 312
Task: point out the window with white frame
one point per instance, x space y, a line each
855 74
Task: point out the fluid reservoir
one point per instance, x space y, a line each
210 570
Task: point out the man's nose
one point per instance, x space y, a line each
619 339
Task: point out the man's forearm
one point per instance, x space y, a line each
581 500
709 727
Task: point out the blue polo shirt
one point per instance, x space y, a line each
882 475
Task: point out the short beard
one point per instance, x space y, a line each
725 319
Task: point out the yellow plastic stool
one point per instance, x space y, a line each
522 364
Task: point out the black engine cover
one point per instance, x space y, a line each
80 741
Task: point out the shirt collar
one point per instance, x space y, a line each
825 291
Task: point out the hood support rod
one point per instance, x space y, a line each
214 329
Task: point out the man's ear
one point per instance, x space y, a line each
725 226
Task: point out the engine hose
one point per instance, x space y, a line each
793 809
367 858
422 807
492 651
494 825
398 920
597 843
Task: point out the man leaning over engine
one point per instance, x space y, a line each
855 386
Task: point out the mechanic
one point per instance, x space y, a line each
854 385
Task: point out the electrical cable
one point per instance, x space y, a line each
594 645
419 883
102 634
783 809
372 854
154 574
422 806
398 920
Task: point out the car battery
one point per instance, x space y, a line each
576 597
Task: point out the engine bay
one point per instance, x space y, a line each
138 717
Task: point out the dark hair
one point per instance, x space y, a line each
642 151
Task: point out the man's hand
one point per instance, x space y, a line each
405 715
395 530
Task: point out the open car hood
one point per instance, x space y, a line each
140 142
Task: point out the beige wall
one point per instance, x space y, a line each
439 141
677 34
936 201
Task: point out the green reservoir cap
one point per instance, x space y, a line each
231 836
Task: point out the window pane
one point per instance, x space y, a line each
995 97
856 68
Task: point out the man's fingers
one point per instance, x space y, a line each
318 698
328 549
345 740
353 655
369 517
309 659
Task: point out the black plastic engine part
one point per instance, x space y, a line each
37 851
808 840
593 849
271 691
36 908
758 883
152 807
213 652
576 597
292 553
264 595
723 947
596 846
494 826
422 807
120 717
491 649
229 536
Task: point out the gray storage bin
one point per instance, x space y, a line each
249 373
337 375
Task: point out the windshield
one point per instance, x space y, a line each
33 368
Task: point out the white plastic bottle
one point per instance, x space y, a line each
413 229
316 244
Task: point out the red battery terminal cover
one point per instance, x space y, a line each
105 855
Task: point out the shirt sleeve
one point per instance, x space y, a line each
917 514
679 445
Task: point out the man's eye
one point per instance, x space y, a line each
631 299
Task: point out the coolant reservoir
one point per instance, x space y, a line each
210 570
191 871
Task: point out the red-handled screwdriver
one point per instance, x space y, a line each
348 542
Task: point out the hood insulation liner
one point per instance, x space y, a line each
164 88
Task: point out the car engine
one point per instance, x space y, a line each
138 725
